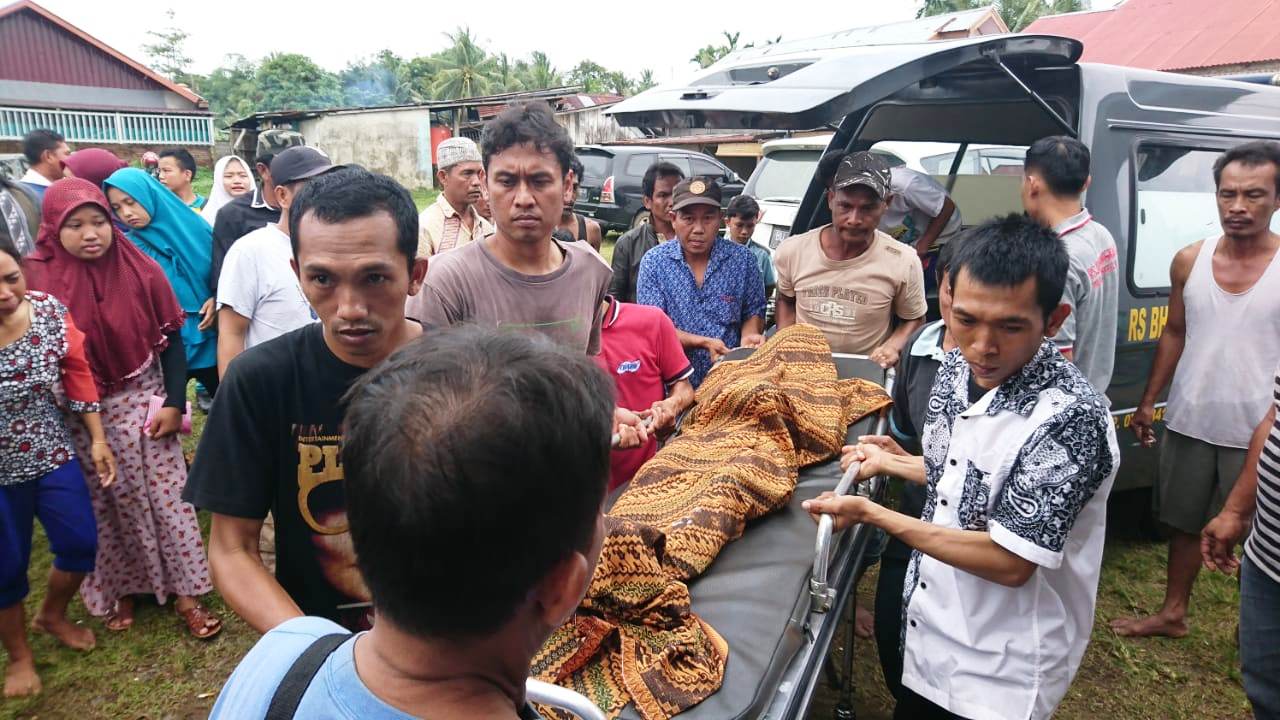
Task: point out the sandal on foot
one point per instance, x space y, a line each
118 621
201 622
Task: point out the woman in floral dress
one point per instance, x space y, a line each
148 539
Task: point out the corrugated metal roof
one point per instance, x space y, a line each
253 120
38 46
1173 34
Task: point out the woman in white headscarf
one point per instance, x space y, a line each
231 179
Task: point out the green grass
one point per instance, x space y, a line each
1194 678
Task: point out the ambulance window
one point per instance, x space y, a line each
1176 206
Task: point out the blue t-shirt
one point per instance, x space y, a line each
336 692
732 292
765 261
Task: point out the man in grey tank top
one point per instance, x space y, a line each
1220 345
1055 175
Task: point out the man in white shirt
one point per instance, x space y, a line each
452 221
1019 458
259 297
47 153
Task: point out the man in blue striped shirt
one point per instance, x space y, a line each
1255 496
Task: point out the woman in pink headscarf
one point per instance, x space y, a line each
94 164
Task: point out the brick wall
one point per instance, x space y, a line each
130 153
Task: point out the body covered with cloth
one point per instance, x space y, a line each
756 422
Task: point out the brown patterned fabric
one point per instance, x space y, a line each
757 421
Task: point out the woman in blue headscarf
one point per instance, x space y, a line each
163 227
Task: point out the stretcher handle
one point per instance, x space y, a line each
542 693
823 594
647 423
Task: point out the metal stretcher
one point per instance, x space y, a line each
777 594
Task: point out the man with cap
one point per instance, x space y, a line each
452 221
259 297
251 210
848 278
710 287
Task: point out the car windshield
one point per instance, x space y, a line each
784 175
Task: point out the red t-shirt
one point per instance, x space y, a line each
640 350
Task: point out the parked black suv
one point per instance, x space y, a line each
610 190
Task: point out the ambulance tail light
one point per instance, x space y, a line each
606 191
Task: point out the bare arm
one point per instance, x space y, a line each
232 330
784 311
238 573
753 332
702 342
1219 538
594 236
1169 349
888 353
935 227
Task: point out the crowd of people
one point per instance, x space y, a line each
383 378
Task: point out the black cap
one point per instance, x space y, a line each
695 191
866 169
299 163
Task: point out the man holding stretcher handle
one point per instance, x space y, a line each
1019 457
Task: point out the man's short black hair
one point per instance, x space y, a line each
527 123
658 170
1250 154
1004 252
576 166
184 158
743 206
475 461
1062 161
353 192
265 159
40 141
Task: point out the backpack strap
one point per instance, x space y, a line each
295 683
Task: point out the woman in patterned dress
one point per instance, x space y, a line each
40 474
148 539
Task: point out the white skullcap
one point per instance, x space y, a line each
456 150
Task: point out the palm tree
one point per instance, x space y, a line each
541 74
506 75
466 70
646 81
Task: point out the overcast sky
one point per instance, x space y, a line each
619 35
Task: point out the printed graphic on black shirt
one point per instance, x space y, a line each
272 443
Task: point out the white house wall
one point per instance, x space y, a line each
395 143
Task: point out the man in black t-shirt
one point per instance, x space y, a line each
273 436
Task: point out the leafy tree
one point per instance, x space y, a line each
289 81
541 75
230 89
506 75
1017 14
619 84
592 76
373 82
465 69
417 76
646 81
168 56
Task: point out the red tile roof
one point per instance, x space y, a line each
1173 34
